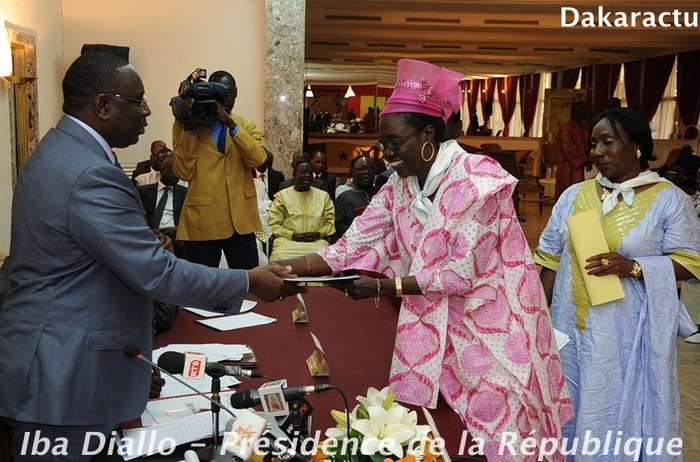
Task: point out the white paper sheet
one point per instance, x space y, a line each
561 338
245 307
237 322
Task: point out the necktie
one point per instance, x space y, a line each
160 208
262 177
116 161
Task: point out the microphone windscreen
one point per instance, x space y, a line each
172 361
243 399
131 351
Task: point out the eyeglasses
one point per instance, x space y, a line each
394 144
140 102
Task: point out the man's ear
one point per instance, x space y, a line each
102 106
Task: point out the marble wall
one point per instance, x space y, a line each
284 79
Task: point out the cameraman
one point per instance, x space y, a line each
221 210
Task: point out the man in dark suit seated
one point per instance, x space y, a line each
163 201
319 162
146 166
270 177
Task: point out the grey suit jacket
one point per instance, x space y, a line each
85 269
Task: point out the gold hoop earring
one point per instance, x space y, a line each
432 152
639 153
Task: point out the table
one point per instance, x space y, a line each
357 338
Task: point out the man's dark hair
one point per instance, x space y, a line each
216 76
88 76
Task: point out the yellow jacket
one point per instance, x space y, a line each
221 197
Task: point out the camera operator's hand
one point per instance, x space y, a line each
181 107
224 116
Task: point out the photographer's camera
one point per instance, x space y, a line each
204 94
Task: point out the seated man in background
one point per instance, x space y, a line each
152 176
352 202
145 165
301 217
319 163
268 176
297 157
163 201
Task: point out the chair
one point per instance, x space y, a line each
527 184
549 168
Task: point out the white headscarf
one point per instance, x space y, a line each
421 204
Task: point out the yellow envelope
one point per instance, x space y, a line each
588 239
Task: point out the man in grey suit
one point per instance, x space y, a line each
85 269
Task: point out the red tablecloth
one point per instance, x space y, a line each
357 338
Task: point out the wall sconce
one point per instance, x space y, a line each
309 93
18 80
349 93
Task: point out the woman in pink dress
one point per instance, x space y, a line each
474 325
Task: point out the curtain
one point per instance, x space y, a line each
600 82
565 79
528 87
487 89
645 82
506 98
688 88
471 89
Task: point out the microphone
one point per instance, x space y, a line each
250 398
174 362
132 351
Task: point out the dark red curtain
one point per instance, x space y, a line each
565 79
506 99
645 82
599 81
688 87
633 83
471 92
488 86
529 89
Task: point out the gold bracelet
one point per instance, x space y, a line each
379 290
399 287
308 264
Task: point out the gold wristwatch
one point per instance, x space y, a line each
636 271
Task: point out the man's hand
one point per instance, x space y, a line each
224 116
266 282
157 383
309 236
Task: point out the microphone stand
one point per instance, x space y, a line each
212 452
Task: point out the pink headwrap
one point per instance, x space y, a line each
426 89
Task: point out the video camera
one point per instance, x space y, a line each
205 95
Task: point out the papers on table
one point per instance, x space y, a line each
238 321
171 422
245 307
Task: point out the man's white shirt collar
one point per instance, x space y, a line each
97 136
